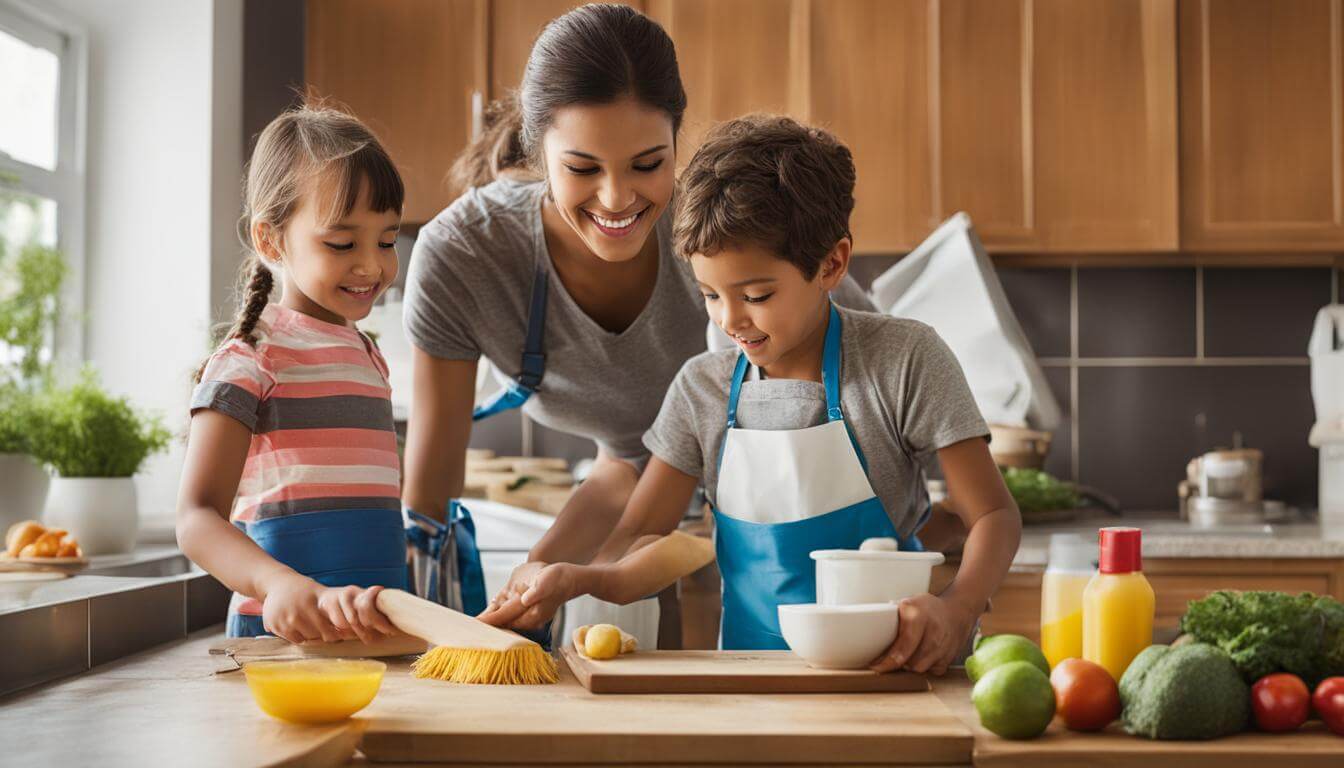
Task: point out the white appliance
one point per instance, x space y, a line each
1326 349
949 283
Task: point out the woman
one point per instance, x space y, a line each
557 266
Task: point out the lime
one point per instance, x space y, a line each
1015 700
992 651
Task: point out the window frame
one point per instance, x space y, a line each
67 184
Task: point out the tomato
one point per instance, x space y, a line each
1280 702
1086 696
1329 703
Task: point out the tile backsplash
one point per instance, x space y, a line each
1163 364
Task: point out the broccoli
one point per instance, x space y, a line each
1037 491
1266 632
1190 691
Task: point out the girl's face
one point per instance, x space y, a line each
335 271
768 308
611 173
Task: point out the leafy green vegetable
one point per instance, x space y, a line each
1266 632
81 431
1037 491
1191 691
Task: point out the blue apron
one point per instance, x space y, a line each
446 567
533 369
336 548
765 560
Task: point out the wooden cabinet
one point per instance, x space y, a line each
513 28
1017 604
409 69
1057 123
869 82
1262 125
735 57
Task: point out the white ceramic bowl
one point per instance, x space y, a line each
838 636
854 577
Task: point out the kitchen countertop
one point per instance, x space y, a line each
165 707
1166 536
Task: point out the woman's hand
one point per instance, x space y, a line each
931 632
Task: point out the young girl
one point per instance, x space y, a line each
290 492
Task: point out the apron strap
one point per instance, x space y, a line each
533 367
830 367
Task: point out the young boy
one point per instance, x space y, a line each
811 434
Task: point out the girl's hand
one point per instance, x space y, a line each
291 611
932 631
354 610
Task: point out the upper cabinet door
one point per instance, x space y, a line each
1261 125
735 56
409 70
868 81
514 26
1057 123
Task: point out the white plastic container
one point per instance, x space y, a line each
859 576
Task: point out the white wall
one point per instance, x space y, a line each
164 159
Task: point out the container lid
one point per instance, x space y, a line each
854 554
1121 550
1071 552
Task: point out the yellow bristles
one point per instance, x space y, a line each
528 665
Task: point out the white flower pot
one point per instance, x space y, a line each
100 512
25 489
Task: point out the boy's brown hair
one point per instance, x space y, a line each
769 181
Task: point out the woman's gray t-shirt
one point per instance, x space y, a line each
902 392
469 288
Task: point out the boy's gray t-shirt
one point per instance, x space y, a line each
902 392
469 288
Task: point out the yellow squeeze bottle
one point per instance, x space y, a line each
1118 603
1069 570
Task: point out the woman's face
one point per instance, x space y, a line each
611 173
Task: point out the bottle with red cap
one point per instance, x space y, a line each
1118 603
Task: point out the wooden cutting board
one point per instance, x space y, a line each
728 672
426 721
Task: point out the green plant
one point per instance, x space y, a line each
82 431
31 275
16 418
30 284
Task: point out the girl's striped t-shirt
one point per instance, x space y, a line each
316 397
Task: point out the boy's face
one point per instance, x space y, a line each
767 307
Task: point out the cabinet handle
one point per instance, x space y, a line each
477 114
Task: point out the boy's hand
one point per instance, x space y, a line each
931 632
532 605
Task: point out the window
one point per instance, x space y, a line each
42 65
